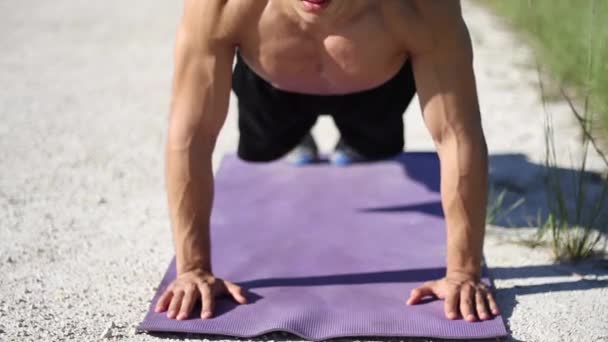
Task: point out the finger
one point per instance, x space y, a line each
467 297
420 292
163 301
451 304
481 305
492 302
187 303
236 292
176 302
207 300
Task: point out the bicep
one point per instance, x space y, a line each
446 85
202 80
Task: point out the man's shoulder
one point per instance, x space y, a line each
222 19
440 15
238 16
424 23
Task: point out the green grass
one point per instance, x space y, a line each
497 208
574 213
571 37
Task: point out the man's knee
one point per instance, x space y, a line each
266 150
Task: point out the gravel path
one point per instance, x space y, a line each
84 235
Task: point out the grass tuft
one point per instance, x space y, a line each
497 210
574 211
571 37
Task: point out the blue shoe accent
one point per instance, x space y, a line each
305 153
340 158
302 160
345 155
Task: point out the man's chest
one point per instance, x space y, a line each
354 57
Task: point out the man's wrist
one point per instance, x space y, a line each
192 250
465 265
464 256
467 273
192 263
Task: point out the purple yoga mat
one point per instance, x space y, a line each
327 252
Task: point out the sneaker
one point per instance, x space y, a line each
345 155
305 153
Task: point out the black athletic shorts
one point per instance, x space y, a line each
272 122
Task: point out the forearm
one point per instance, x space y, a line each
196 118
464 178
189 179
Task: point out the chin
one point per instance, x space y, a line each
314 6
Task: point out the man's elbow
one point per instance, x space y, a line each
185 135
465 139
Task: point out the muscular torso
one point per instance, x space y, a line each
360 52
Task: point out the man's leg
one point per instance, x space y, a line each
270 122
371 122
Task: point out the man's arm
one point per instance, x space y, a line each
446 87
201 88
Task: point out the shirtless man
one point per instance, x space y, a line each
355 59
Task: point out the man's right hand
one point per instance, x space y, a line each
181 295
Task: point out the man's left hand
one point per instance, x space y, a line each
464 297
